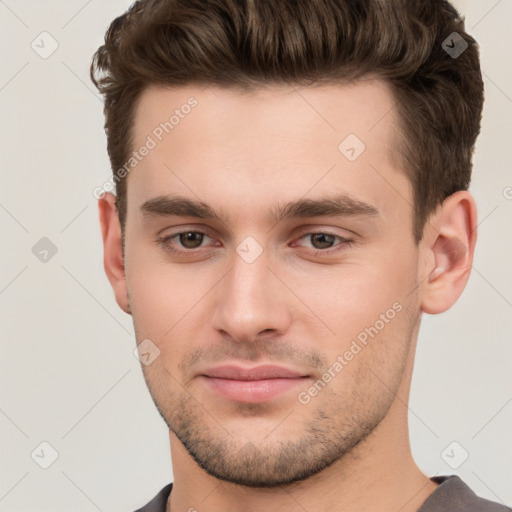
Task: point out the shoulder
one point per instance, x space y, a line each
453 495
159 502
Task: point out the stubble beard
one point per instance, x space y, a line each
270 461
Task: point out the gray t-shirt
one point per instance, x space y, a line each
451 495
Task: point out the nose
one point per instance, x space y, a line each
251 301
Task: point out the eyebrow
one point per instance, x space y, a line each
337 205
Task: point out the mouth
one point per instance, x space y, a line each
252 385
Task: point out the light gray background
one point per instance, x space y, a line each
68 374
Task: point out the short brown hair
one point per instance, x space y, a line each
249 43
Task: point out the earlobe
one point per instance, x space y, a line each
450 246
112 250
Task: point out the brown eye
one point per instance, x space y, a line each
184 243
322 240
191 239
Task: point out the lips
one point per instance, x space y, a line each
256 373
252 385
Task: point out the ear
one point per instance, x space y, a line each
448 247
112 250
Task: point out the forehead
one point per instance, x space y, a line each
365 107
268 142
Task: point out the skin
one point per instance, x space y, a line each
243 154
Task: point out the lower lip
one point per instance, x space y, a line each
253 391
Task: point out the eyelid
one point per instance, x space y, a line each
198 228
311 229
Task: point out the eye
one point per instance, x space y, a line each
322 241
188 240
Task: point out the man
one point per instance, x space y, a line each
291 196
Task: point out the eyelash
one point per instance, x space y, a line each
344 242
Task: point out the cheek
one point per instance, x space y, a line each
351 298
370 311
367 358
156 299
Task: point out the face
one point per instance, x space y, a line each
258 234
